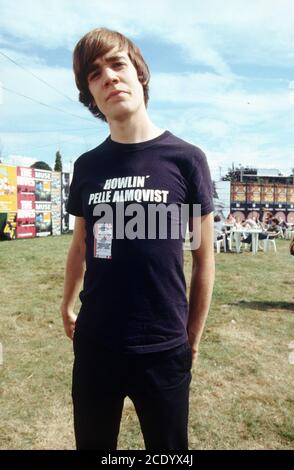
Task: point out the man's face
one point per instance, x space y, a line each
112 73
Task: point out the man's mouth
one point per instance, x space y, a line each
115 93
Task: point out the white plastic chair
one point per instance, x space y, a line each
245 246
230 240
267 242
289 234
280 233
220 242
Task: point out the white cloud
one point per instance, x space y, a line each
21 81
50 140
187 87
19 160
226 140
224 98
207 32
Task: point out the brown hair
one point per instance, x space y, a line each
95 44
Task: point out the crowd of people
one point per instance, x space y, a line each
271 227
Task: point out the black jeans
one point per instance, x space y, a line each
157 383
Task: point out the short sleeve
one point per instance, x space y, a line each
200 188
74 204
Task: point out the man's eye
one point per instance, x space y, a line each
94 75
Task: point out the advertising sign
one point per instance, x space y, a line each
8 226
8 191
64 197
25 202
43 219
43 185
56 202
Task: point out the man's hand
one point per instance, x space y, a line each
69 321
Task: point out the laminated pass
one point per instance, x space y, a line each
102 240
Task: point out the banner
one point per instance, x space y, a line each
280 194
43 219
280 197
43 202
8 226
26 208
239 216
25 202
238 192
64 197
56 202
267 197
267 193
8 202
43 185
290 195
253 197
253 193
280 215
290 218
25 179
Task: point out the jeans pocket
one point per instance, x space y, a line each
183 357
172 370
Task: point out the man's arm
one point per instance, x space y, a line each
74 274
202 280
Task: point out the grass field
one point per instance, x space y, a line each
242 393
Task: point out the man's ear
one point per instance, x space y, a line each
140 77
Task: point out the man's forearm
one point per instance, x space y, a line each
74 274
201 288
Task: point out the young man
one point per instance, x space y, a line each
135 334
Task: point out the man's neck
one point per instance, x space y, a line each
134 130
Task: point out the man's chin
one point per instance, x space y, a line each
119 115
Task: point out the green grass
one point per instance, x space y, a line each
242 394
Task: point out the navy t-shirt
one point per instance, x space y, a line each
134 293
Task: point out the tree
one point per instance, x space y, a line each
58 162
41 166
236 174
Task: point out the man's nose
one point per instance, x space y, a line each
109 76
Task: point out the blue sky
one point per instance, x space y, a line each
222 76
